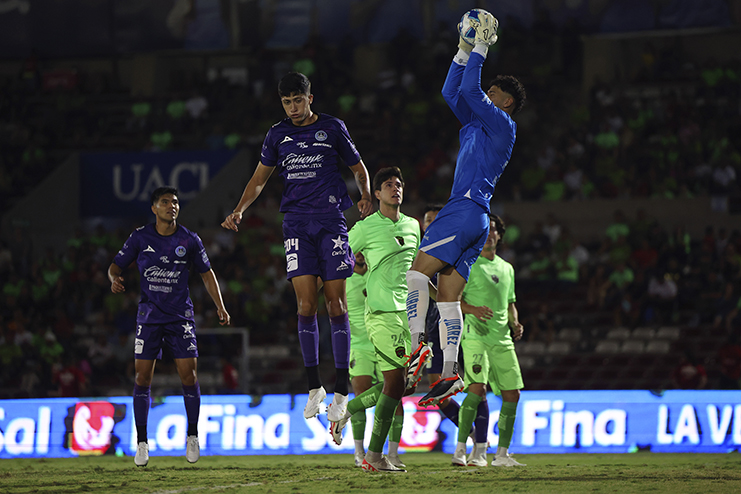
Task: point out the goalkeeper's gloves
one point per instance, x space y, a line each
464 46
486 30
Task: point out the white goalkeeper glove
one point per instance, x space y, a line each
463 45
486 30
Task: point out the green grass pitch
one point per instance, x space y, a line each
427 472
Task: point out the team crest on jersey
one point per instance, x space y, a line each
400 352
400 241
352 364
320 135
180 251
476 369
495 278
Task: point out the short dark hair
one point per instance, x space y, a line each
499 225
433 208
160 191
386 173
510 85
294 83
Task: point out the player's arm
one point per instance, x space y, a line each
452 90
212 287
251 192
114 275
362 180
482 312
513 319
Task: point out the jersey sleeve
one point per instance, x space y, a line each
356 238
199 257
345 145
493 119
128 252
452 93
511 295
269 152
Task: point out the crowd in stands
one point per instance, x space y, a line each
671 130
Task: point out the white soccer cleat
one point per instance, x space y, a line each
192 449
338 408
142 454
316 397
396 461
376 462
478 456
459 456
359 456
506 461
335 429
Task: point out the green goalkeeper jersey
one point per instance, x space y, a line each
492 283
355 289
389 248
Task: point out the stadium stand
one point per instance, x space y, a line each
665 131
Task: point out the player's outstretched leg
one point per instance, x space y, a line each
507 416
366 399
308 337
141 414
395 438
192 399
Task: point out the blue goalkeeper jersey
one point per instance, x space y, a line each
487 136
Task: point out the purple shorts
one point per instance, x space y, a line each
178 337
317 246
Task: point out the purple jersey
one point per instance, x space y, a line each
309 161
163 264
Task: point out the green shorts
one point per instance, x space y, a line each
493 364
389 333
363 362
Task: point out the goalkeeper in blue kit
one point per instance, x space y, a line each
453 241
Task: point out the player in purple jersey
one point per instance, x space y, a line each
307 148
164 252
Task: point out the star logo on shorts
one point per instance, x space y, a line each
338 242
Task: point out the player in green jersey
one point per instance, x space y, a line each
491 326
388 240
364 370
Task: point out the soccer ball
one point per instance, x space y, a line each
465 28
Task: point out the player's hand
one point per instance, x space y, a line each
117 285
483 313
462 43
486 29
517 330
224 317
232 221
365 207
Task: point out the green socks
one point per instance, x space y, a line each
507 423
385 411
366 399
467 414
